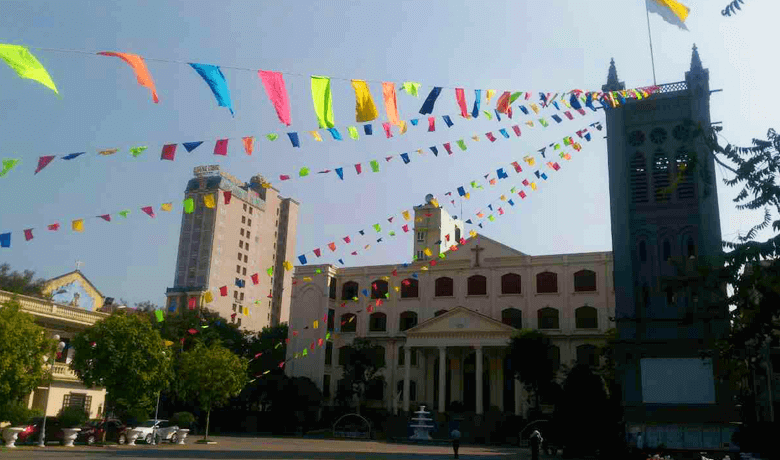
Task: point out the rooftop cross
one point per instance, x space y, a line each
476 250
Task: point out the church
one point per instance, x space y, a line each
444 332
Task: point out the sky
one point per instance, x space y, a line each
548 46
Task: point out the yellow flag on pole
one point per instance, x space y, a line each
671 11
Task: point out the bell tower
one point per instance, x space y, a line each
665 221
434 229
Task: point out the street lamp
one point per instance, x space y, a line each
42 436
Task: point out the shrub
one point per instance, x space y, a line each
17 414
72 417
182 419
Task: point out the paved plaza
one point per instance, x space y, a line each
269 448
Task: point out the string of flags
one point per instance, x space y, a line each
26 65
464 191
249 143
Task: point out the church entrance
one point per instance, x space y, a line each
470 383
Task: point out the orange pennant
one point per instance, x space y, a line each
139 67
249 143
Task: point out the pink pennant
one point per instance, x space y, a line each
388 158
284 177
43 162
490 137
221 147
346 239
54 227
149 210
517 167
568 115
168 152
317 252
277 93
388 133
406 228
358 168
516 128
460 95
106 217
28 234
431 124
448 148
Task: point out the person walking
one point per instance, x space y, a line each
455 435
536 441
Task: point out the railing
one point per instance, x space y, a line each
62 371
43 307
673 87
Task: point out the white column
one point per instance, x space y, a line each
480 409
390 375
518 398
429 392
407 375
499 379
442 377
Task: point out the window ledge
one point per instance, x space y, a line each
483 296
550 330
548 293
443 297
511 295
596 292
408 298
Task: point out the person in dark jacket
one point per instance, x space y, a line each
536 441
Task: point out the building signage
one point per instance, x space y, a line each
210 170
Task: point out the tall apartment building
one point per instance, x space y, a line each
232 245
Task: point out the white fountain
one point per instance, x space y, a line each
422 430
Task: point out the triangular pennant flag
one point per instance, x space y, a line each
249 144
26 65
189 146
148 210
220 148
106 217
43 162
28 234
71 156
277 93
139 67
216 80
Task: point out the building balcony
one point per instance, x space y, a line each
63 372
43 308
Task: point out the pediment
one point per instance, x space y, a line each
489 249
460 319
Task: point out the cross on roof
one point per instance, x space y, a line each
476 250
79 264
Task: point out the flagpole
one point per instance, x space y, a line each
652 59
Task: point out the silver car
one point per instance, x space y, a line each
157 430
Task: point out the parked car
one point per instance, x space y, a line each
162 430
115 431
32 431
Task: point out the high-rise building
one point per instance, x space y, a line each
231 246
665 222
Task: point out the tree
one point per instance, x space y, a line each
271 342
529 351
25 348
145 305
210 327
211 375
21 283
363 362
584 395
125 355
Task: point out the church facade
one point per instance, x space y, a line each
444 331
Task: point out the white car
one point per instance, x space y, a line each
163 430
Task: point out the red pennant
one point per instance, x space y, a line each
447 237
503 102
191 303
428 214
522 194
462 241
149 210
460 95
295 333
395 272
354 253
388 133
526 183
568 115
54 227
255 278
106 217
281 364
343 305
346 239
28 234
228 195
249 143
43 162
387 159
317 252
406 282
390 219
358 168
406 228
284 177
453 248
221 147
448 148
319 342
370 308
517 167
312 345
287 340
500 212
490 137
223 291
431 124
332 246
168 152
509 112
270 294
517 130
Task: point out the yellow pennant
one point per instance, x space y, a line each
287 265
208 297
78 225
427 252
490 93
406 215
166 206
316 324
472 233
316 136
208 201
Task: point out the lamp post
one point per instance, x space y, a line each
42 436
154 428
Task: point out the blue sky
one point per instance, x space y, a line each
503 45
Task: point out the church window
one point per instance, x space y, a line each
349 322
661 176
377 322
642 251
332 288
548 318
658 136
587 354
691 247
638 178
349 290
420 255
667 250
444 287
684 176
410 289
457 234
584 281
510 283
546 283
636 138
512 317
378 289
554 355
586 318
441 312
477 285
328 353
408 320
331 318
238 322
402 359
412 389
420 236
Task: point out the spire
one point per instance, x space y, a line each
696 60
613 84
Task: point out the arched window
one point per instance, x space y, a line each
554 355
586 318
548 318
444 287
660 176
512 317
638 178
377 322
412 389
667 250
349 290
332 288
546 283
348 322
477 285
587 354
685 177
408 320
409 288
510 283
457 234
584 281
691 247
642 251
378 289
